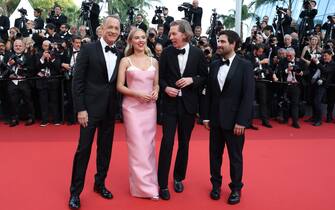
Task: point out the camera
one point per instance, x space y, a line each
85 9
151 35
159 10
184 7
307 4
281 10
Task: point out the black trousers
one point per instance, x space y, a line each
105 129
16 92
218 139
4 100
318 94
262 97
69 109
49 98
293 94
330 100
185 123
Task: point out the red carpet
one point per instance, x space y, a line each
285 169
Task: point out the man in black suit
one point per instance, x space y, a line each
57 18
20 23
165 20
140 24
196 12
228 107
94 95
4 26
183 70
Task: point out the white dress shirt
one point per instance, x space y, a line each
182 59
110 59
223 72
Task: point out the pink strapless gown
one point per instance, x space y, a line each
140 125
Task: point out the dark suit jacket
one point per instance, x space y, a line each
39 23
169 73
197 15
142 26
57 21
92 91
22 27
234 103
4 22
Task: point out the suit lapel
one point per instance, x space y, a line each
230 74
102 60
190 53
174 60
216 81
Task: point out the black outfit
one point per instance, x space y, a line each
291 93
94 18
39 23
94 92
178 111
166 22
4 23
57 21
320 90
163 40
23 88
196 17
225 108
330 30
262 93
142 26
283 26
4 98
48 89
20 23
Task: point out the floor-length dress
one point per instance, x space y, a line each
140 125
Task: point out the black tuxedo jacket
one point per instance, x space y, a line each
142 26
57 21
234 103
92 90
39 23
169 73
4 22
20 23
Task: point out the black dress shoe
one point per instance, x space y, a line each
266 124
164 194
13 123
29 122
178 186
234 197
329 119
311 119
317 124
102 190
74 202
295 125
215 194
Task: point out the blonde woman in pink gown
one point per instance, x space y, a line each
138 82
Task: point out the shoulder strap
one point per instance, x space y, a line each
129 61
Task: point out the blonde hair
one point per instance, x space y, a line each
130 49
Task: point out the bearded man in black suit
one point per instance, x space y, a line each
228 110
94 95
183 70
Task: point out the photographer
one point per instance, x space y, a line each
52 35
321 78
20 23
4 26
151 42
196 14
64 33
197 34
90 14
39 22
262 73
68 61
21 68
162 38
282 24
48 65
56 17
307 16
139 22
329 26
165 19
289 71
4 102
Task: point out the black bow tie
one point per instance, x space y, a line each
226 62
180 51
76 51
112 49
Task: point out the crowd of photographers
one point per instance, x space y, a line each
293 65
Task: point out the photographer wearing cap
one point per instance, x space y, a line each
20 22
329 26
